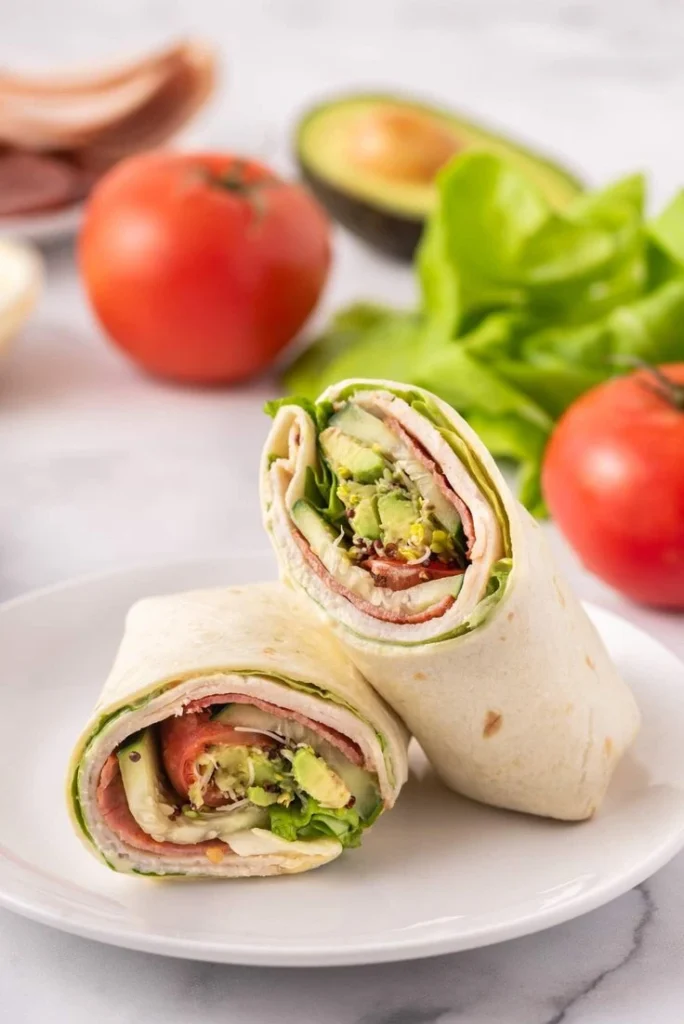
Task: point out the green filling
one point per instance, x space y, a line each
313 766
386 495
292 789
304 687
233 770
341 562
395 506
311 821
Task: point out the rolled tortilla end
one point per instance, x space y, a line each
387 511
232 738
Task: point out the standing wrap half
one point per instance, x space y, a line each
386 509
233 737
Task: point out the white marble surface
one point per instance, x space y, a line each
102 468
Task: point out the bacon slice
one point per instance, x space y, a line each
111 799
346 746
395 575
184 737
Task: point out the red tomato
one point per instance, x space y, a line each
202 266
613 478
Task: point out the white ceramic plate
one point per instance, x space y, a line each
437 874
44 227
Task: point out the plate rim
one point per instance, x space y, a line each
380 950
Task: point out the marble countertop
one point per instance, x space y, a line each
103 468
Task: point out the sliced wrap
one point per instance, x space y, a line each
386 509
233 737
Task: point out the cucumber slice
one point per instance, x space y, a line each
141 775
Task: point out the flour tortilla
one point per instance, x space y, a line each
257 640
524 709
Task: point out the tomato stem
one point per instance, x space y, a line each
235 180
662 385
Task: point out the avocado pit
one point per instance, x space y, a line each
402 145
372 161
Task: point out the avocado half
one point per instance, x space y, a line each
372 161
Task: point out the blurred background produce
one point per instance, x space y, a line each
202 266
614 481
521 162
21 278
59 131
373 161
522 307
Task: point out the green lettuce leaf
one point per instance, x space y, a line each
522 308
486 213
359 343
441 301
667 230
321 490
650 329
321 482
320 412
614 202
511 438
273 407
489 212
311 821
469 384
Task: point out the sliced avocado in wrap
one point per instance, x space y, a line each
404 543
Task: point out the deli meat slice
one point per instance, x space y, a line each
57 132
346 746
375 611
111 800
29 183
428 462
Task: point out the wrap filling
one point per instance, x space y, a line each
386 513
202 779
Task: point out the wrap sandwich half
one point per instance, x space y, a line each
233 737
387 511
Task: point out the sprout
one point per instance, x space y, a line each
417 534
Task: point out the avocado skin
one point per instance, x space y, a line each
393 233
388 233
